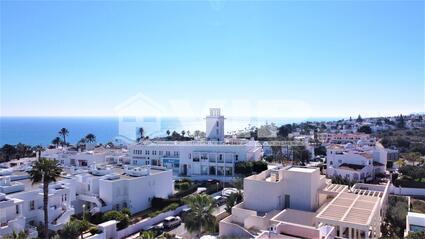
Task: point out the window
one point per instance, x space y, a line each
217 123
196 157
287 201
176 154
17 209
212 170
154 152
32 205
167 153
147 152
160 152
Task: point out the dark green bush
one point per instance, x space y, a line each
123 219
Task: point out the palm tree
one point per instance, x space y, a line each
38 149
56 141
200 218
71 230
64 132
400 163
45 171
183 133
168 132
90 138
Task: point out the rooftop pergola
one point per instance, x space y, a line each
351 212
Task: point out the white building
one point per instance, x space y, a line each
68 157
298 202
215 125
28 203
415 222
106 188
355 162
195 158
213 159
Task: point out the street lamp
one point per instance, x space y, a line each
84 210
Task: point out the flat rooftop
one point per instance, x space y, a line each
302 170
351 208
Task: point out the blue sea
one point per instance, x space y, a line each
41 130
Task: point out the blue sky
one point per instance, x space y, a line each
316 58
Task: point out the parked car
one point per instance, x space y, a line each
220 200
200 190
172 222
227 191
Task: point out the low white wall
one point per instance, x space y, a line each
239 213
145 223
227 228
407 191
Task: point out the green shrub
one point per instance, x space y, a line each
126 211
123 219
94 230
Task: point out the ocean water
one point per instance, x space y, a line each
42 130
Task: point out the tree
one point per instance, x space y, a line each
22 150
14 235
8 151
321 150
400 163
183 133
365 129
90 138
232 200
284 130
301 154
83 225
141 133
71 230
259 166
123 218
147 235
200 218
56 141
416 235
168 132
412 157
38 149
64 132
401 124
277 151
359 119
45 171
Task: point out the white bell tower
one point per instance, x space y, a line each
215 125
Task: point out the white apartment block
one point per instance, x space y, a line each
196 158
28 204
112 187
68 157
214 158
356 163
298 202
99 187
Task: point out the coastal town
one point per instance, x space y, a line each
349 178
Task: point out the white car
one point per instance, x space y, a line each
228 191
172 222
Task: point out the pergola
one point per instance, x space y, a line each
354 214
